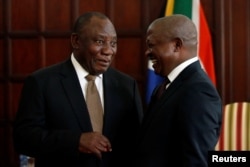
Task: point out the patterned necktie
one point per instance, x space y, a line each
94 104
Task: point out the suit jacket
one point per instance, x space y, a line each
180 128
52 115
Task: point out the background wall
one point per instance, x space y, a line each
35 34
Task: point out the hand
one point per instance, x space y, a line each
94 143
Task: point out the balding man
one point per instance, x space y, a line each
183 121
56 124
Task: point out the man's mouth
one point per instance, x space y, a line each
103 62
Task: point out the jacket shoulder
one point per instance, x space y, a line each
118 74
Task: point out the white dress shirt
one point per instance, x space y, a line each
177 70
82 73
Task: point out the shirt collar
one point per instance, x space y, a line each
81 72
177 70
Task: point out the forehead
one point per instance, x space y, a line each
99 26
153 35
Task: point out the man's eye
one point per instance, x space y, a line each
100 42
113 43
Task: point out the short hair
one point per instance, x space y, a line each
85 18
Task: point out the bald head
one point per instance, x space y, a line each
176 26
85 19
171 40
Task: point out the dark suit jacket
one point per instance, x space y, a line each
180 128
53 114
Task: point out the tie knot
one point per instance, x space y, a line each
166 81
90 77
162 87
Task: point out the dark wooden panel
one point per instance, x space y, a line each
1 58
57 50
155 9
14 95
127 14
232 49
2 145
128 58
1 16
248 48
8 157
24 15
219 44
2 102
25 56
239 51
229 27
92 5
208 9
229 64
57 15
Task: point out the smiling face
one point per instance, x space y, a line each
161 51
170 41
95 45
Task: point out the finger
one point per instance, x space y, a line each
108 146
98 153
105 143
105 139
101 148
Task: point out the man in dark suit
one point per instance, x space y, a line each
183 124
53 123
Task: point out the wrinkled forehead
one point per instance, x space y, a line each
172 27
157 33
99 26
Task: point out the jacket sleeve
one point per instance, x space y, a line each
31 135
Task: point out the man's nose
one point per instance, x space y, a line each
108 49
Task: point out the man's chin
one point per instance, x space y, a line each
101 70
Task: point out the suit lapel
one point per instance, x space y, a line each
110 93
173 87
155 109
74 93
181 78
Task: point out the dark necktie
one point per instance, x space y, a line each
162 88
155 98
94 104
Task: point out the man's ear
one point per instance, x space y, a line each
75 41
178 44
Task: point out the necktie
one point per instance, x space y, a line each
157 95
94 104
162 88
